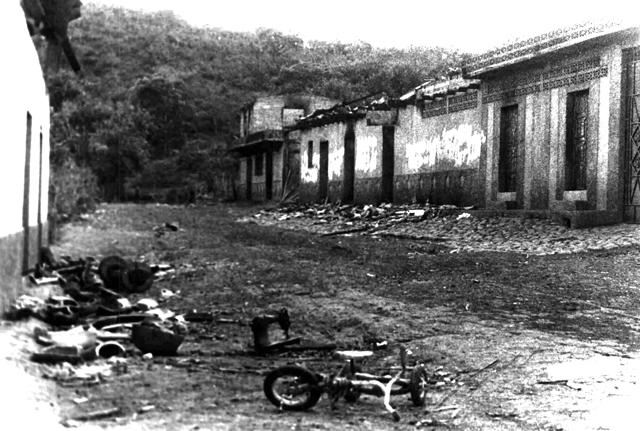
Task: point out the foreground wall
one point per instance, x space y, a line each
24 166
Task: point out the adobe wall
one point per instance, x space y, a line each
439 154
436 159
267 112
368 169
310 161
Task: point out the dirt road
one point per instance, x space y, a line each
513 342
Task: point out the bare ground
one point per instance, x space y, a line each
530 319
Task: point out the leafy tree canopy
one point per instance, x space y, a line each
153 88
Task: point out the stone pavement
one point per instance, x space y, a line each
464 233
526 236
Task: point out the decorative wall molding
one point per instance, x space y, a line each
434 108
463 102
526 48
574 73
450 104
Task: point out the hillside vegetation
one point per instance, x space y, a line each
157 101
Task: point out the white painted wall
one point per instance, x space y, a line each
452 141
23 91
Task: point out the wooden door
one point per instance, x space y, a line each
388 144
576 151
323 175
509 141
349 174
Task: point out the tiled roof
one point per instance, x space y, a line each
542 44
443 87
340 112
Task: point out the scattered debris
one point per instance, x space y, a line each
361 218
145 409
93 317
167 227
99 414
155 339
558 382
432 423
125 276
146 304
504 415
166 294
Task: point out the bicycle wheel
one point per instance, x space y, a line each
418 385
352 395
292 388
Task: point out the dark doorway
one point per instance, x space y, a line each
25 198
323 175
631 82
388 139
269 175
291 168
508 162
249 177
576 151
349 175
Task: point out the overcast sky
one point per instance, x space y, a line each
472 26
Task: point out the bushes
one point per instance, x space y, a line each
72 191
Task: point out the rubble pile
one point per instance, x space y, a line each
452 228
93 318
340 219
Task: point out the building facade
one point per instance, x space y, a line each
546 125
24 167
269 156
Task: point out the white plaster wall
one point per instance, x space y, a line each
437 143
368 150
23 91
334 134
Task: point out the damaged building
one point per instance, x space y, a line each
547 125
269 156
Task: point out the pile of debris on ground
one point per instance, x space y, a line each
92 317
358 218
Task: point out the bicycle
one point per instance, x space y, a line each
292 387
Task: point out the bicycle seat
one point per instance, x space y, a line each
352 354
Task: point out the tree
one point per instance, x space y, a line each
166 100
